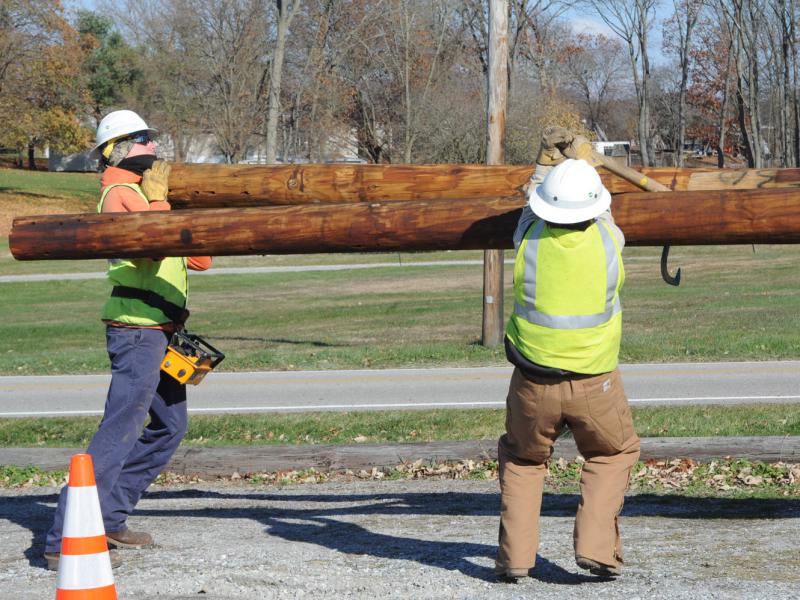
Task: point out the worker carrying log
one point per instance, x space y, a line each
147 305
563 339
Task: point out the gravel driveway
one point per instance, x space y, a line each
411 539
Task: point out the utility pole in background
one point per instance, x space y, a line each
497 98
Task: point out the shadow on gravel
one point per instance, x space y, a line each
350 538
319 524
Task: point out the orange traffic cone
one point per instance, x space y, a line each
84 569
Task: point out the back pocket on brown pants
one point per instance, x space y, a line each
608 413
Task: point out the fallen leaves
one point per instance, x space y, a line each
678 475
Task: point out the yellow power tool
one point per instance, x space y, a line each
189 358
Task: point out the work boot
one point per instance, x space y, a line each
507 575
127 538
52 559
596 568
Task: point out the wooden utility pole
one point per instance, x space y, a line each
497 96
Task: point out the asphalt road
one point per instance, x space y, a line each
401 389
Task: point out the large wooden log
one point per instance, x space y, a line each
647 218
222 186
226 460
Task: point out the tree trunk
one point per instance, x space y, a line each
31 157
648 219
691 20
723 111
644 112
285 16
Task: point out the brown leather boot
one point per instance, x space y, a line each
596 568
53 558
508 575
127 538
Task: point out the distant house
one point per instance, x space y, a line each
202 148
81 162
620 150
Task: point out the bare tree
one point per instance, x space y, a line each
594 64
415 36
679 29
211 53
285 11
632 20
782 17
745 19
529 33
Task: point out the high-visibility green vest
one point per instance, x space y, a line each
567 313
166 277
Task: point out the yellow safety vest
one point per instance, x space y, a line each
567 313
167 278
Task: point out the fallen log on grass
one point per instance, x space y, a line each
226 460
227 186
646 218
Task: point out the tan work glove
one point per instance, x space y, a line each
580 148
549 151
155 181
549 155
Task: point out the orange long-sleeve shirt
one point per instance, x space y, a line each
124 199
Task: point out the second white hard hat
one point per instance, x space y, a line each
572 192
117 124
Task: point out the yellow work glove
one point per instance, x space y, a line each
155 181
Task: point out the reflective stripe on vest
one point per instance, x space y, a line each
528 310
166 277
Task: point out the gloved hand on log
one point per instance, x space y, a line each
575 146
155 183
549 154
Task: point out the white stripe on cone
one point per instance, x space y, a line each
83 517
84 571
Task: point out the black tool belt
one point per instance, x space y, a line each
175 313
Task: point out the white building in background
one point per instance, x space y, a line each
81 162
620 150
202 148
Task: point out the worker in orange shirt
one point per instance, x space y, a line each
147 304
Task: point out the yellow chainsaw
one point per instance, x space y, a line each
189 358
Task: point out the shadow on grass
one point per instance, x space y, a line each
18 192
329 522
315 343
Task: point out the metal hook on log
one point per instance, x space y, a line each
665 270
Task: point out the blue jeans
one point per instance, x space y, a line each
128 456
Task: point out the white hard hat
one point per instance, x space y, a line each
572 192
117 124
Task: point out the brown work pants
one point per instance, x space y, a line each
597 412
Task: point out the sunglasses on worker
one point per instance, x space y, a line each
141 138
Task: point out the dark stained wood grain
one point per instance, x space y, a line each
374 227
221 186
646 218
218 186
254 459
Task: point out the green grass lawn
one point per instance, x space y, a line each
10 266
377 427
732 305
80 187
